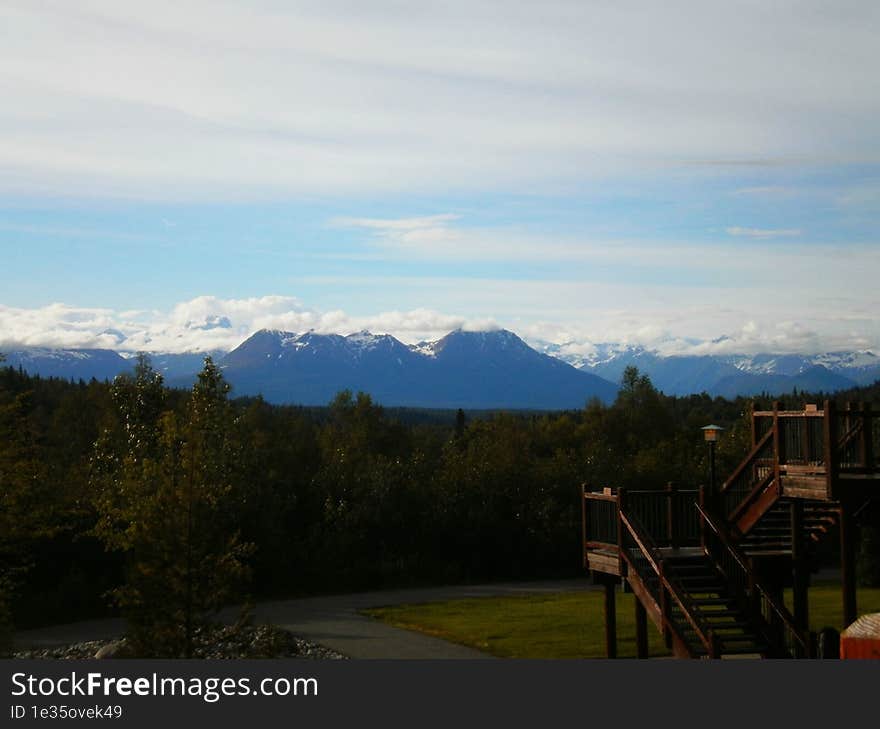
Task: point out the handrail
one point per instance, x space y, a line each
778 609
747 461
652 554
760 486
599 496
598 519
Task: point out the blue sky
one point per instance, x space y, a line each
577 172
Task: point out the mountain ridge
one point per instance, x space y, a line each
463 369
470 369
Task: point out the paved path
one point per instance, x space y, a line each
335 621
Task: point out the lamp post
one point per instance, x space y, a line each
710 433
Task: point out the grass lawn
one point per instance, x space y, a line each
565 625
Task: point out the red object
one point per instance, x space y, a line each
862 638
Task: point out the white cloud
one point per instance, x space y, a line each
216 98
428 222
206 323
587 316
763 232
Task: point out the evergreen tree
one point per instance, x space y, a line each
27 508
165 496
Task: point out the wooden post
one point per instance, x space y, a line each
776 448
867 442
584 532
800 574
754 425
701 500
831 454
641 630
610 620
671 512
806 439
848 563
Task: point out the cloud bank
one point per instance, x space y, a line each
210 323
202 324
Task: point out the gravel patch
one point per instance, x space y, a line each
216 643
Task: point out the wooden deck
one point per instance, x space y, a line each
709 569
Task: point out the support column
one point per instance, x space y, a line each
610 621
866 443
831 455
641 630
800 573
848 563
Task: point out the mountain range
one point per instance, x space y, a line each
475 370
728 375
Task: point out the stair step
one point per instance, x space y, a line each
735 624
693 580
686 559
767 553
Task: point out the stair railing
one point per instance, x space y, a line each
777 624
643 557
750 478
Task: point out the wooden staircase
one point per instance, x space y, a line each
718 609
772 534
709 569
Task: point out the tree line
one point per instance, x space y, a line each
165 504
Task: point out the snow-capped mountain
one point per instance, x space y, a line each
727 375
463 369
76 364
175 365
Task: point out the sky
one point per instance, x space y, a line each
692 176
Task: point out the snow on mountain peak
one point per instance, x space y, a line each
365 340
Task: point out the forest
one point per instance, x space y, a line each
130 496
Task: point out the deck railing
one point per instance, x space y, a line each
599 519
667 515
809 445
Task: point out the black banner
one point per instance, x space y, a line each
436 693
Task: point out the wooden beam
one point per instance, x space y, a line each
848 563
831 455
867 444
671 514
584 530
610 621
777 447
